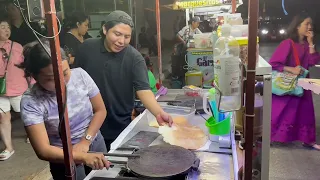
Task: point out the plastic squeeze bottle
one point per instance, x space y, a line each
227 71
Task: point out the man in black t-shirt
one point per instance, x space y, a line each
120 72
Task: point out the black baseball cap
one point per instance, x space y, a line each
121 17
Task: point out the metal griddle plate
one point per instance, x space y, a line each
162 161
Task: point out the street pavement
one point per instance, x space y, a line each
290 162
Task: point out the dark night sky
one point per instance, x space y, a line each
274 7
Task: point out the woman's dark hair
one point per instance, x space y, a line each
71 20
37 58
295 23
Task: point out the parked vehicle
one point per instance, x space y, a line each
272 30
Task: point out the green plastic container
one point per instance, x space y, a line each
219 128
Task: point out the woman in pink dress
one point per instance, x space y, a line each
16 85
293 117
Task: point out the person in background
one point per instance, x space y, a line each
152 40
39 112
293 117
20 31
16 85
143 39
188 31
152 79
120 72
75 27
176 25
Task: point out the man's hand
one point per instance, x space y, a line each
164 118
82 146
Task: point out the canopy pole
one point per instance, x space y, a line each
159 40
62 9
187 16
51 17
250 87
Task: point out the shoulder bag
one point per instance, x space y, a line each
3 85
285 83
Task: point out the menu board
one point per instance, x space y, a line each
185 4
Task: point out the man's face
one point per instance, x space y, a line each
118 37
195 25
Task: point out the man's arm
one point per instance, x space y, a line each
149 101
142 87
180 39
180 35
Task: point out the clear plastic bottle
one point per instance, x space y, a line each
227 71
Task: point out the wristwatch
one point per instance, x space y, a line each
88 137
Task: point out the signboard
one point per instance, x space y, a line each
203 61
186 4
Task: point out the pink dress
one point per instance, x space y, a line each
293 118
16 82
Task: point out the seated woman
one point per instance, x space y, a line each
39 112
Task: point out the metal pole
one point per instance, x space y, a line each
159 39
50 12
187 17
250 87
62 9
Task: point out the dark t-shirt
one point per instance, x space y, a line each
118 76
71 44
24 35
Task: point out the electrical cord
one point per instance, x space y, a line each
61 115
34 31
25 19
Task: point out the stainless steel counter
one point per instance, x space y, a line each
212 166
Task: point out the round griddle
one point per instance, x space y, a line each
162 161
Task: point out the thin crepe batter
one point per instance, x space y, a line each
183 134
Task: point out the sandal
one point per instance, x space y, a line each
4 155
312 147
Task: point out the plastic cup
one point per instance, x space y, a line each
219 128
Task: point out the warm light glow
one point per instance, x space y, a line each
199 3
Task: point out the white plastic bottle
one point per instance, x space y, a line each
227 70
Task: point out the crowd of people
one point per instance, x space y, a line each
92 69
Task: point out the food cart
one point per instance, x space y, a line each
215 162
199 58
